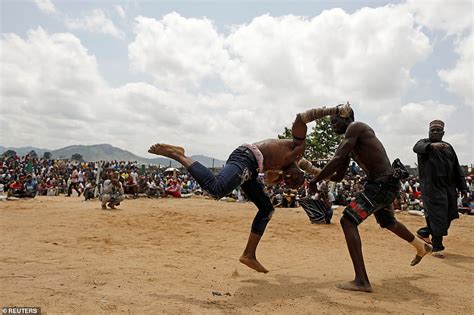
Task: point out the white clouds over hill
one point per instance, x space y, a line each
211 91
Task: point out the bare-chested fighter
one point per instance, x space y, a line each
276 157
380 189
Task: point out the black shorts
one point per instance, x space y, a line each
376 199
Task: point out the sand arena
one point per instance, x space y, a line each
180 256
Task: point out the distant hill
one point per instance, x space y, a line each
98 152
24 150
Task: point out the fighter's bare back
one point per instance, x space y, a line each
278 154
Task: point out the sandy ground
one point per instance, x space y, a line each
180 256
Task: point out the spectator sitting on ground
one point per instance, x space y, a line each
131 187
112 192
15 188
174 189
153 190
289 199
29 187
89 190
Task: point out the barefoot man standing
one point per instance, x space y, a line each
381 188
276 157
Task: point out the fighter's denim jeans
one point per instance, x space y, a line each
240 170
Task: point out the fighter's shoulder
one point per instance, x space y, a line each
357 127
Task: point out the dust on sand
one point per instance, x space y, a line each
179 256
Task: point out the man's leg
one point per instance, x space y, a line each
231 176
436 240
438 247
386 219
424 233
173 152
354 244
116 202
254 191
104 198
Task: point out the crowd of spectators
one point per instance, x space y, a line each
27 177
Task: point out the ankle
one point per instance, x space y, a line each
418 244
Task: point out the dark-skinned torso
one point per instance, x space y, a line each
368 151
278 154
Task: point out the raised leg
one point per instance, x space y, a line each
422 248
173 152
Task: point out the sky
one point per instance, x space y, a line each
211 75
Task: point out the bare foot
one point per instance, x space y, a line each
167 150
352 286
252 263
104 207
427 249
111 206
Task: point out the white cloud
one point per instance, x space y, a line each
51 84
120 11
55 95
414 118
460 78
95 22
402 128
45 6
287 60
453 17
176 50
213 91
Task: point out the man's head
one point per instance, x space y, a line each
436 131
339 123
115 176
293 176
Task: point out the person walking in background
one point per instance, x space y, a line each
440 176
74 182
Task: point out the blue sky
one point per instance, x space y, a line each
210 75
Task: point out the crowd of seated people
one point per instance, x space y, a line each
27 177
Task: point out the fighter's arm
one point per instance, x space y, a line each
308 167
299 127
339 174
298 130
340 161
